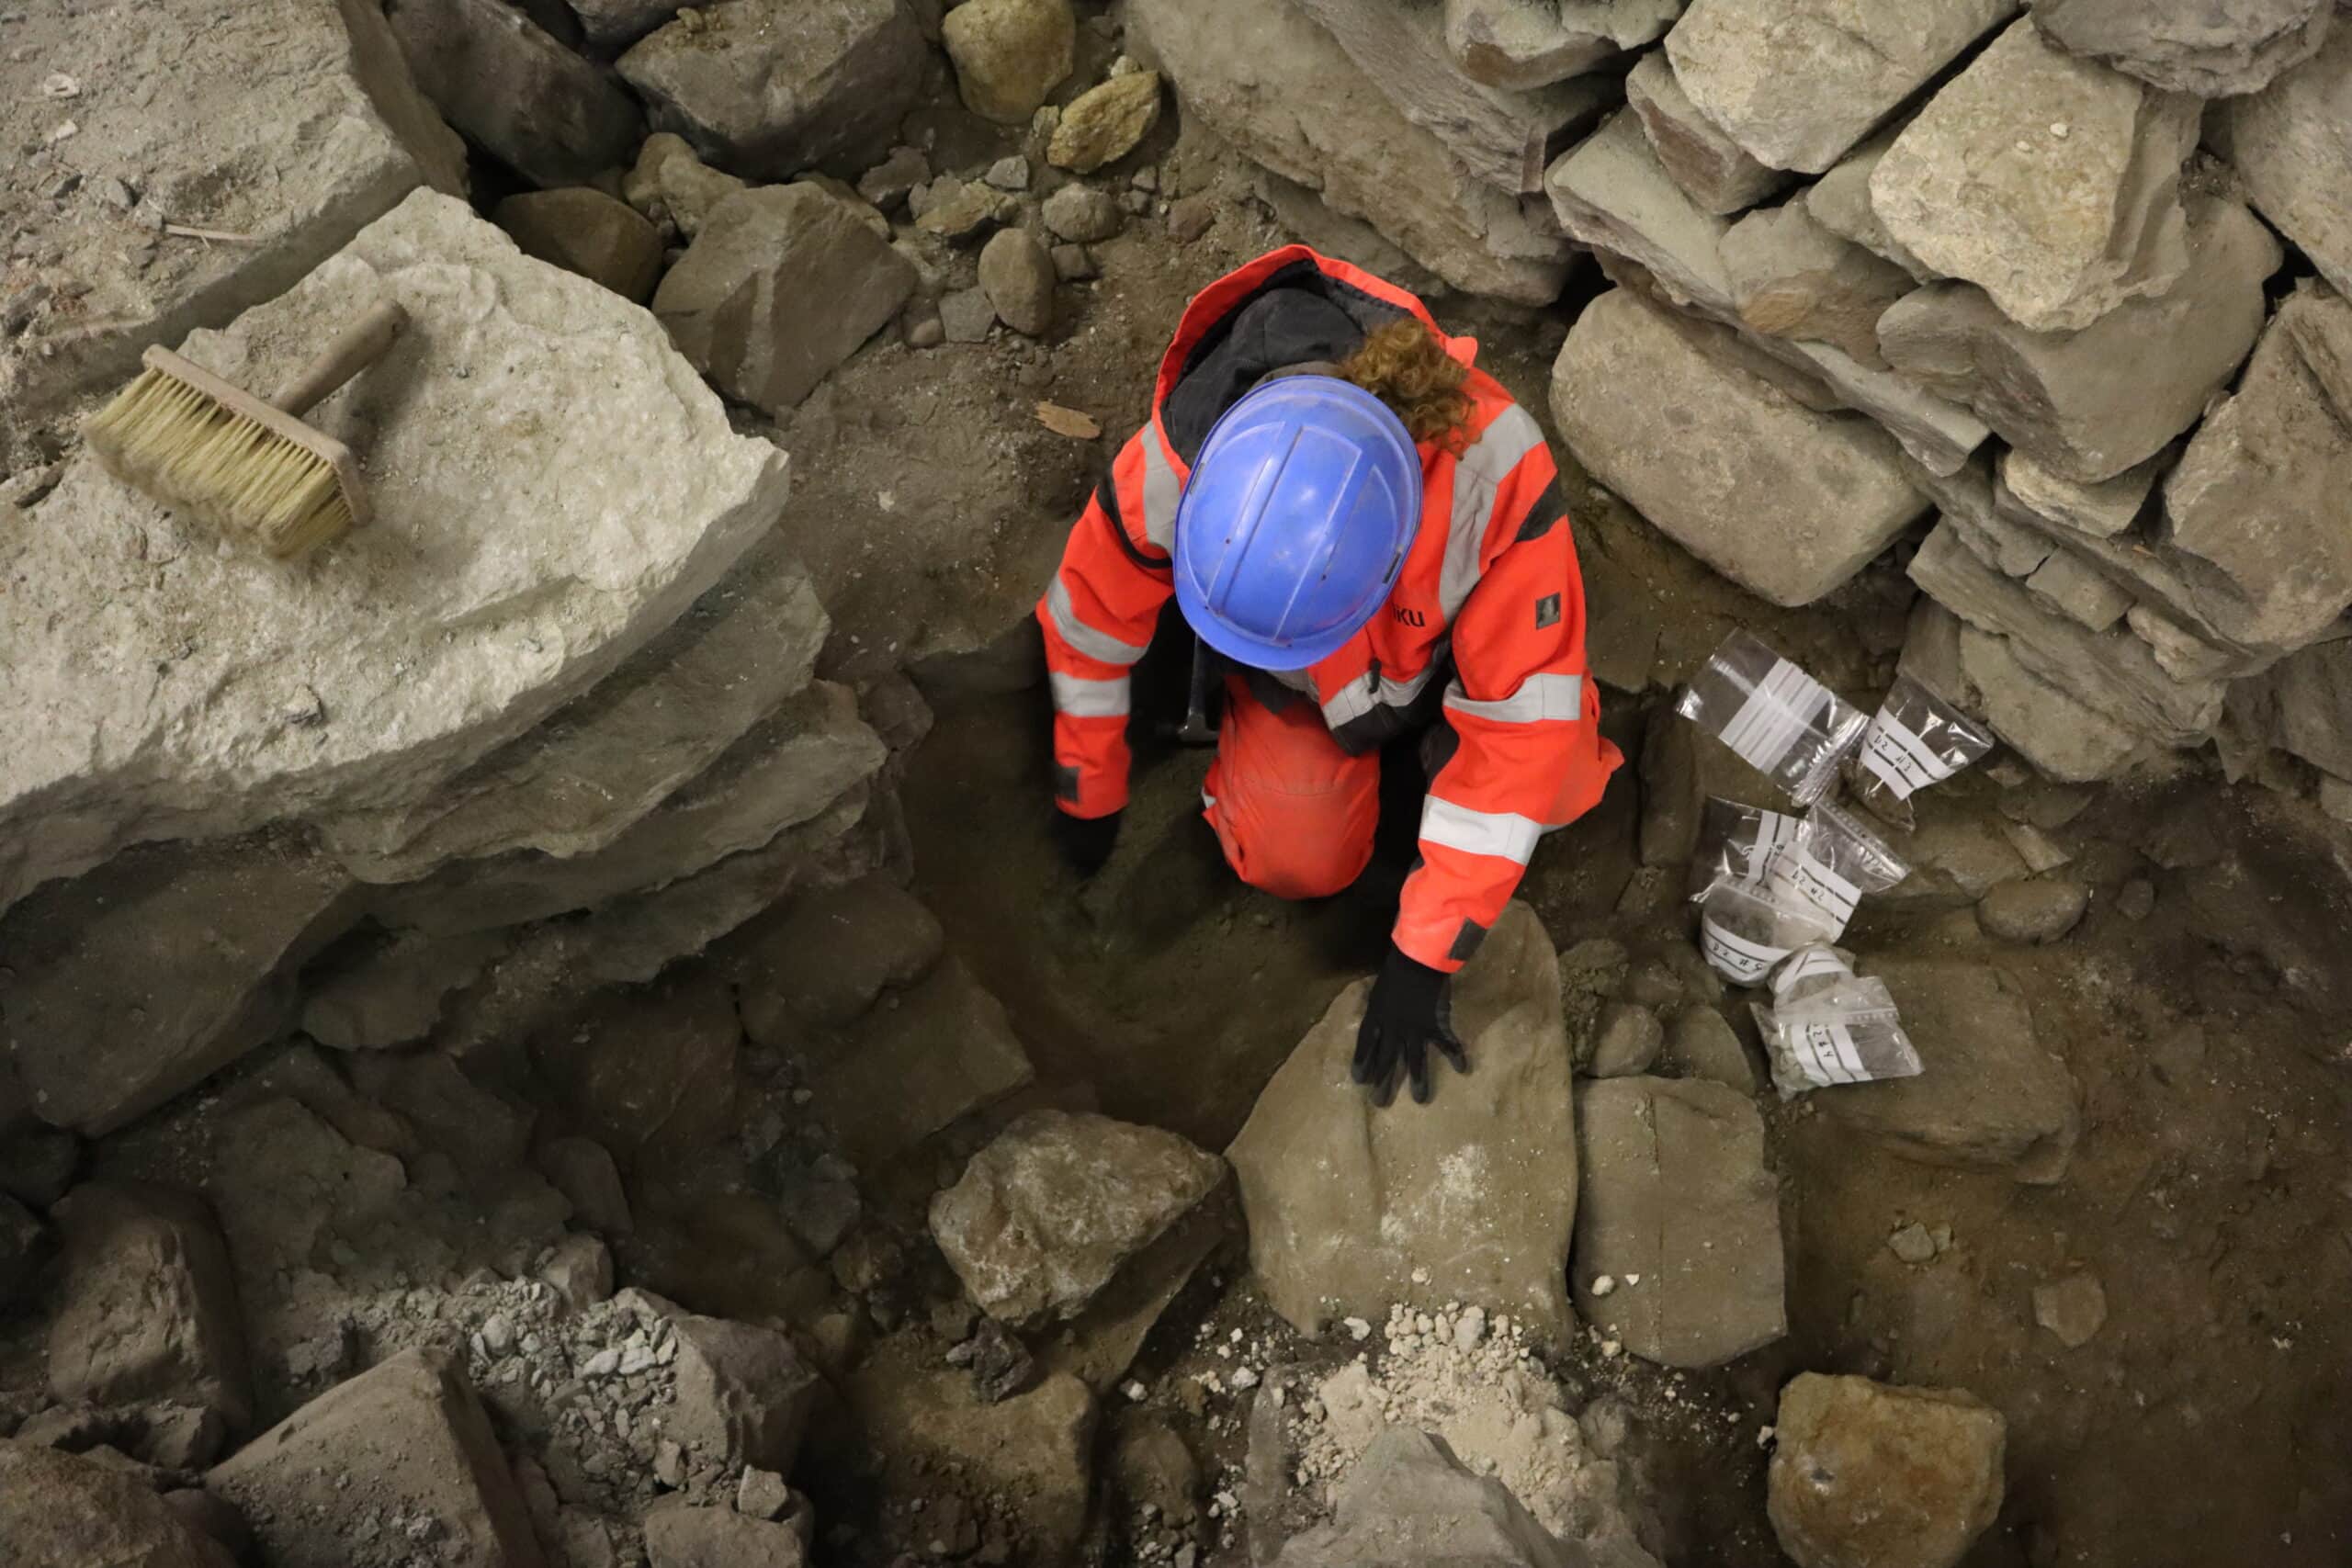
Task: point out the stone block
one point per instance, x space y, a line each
2292 143
945 1052
587 231
60 1510
2050 182
670 183
147 1309
2237 47
1787 503
517 555
2067 585
1236 64
1798 82
2313 693
1411 1501
1102 124
1521 44
1010 55
739 303
613 24
1017 274
1867 1475
1679 1211
1469 1197
408 1436
1840 202
1715 172
2101 510
532 104
1790 278
393 993
2047 725
825 959
744 1394
767 88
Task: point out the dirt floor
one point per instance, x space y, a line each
2205 1421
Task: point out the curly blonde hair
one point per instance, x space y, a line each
1405 365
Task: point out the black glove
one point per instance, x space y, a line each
1085 843
1406 1016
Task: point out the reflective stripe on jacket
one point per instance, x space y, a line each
1483 631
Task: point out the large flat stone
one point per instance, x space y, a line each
1677 1209
407 1436
2092 404
766 88
738 303
313 129
1237 64
2264 492
1470 1198
2292 143
534 105
1715 172
1527 44
1991 1097
2052 181
518 554
1798 82
1786 501
143 979
598 766
2214 52
1501 136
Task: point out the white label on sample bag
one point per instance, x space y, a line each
1900 759
1827 1053
1774 832
1775 716
1735 958
1802 878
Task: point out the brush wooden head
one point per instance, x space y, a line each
207 446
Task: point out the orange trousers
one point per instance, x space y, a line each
1294 811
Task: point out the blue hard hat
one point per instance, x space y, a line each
1300 510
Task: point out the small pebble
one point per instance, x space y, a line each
1604 1283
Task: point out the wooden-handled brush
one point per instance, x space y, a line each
248 468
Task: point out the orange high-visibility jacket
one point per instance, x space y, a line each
1485 631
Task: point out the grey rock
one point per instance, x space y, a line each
2137 901
1799 83
740 304
1787 503
744 1394
314 104
60 1510
1790 278
946 1051
1715 172
2052 182
518 557
1995 1099
865 211
2034 912
1081 214
1009 174
2312 694
1867 1475
682 1536
670 182
1073 264
925 330
1702 1046
764 1495
147 1308
2102 509
966 315
1913 1245
1677 1206
600 766
2237 46
952 209
534 105
1010 55
584 1171
1348 1205
1523 44
612 24
1190 216
588 232
1627 1042
413 1427
394 993
768 88
143 979
1840 202
1017 274
2291 145
2046 724
890 182
2259 493
1049 1212
825 959
2073 1308
1503 137
579 1270
1104 124
1409 1501
1236 64
2067 584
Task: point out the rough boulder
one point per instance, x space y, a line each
1866 1475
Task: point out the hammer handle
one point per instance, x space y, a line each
361 344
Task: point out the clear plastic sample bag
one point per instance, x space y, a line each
1830 865
1744 930
1915 740
1846 1032
1809 971
1737 843
1779 720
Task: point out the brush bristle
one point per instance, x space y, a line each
181 446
